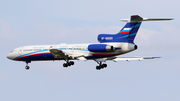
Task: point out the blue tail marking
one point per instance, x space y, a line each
126 34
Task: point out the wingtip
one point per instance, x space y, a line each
151 57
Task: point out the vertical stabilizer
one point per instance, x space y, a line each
128 32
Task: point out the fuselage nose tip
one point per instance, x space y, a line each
9 56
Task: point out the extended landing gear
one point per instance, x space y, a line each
27 67
101 66
68 63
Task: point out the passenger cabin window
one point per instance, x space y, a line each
27 50
37 49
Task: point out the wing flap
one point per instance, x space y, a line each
58 53
61 54
82 58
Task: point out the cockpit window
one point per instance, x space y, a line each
14 50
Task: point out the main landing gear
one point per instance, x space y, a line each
27 67
101 66
68 63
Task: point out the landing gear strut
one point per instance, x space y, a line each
27 67
101 66
68 63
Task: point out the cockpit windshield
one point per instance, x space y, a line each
16 49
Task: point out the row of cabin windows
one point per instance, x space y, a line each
47 49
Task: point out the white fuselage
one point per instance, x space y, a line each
41 52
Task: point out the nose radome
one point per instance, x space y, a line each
9 56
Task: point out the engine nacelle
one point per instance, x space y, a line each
100 48
127 47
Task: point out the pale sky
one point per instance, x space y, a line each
80 21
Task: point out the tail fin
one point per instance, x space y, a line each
128 32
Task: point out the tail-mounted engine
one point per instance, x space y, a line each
100 48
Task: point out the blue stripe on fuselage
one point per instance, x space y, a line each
42 56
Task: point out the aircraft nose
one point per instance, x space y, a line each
9 56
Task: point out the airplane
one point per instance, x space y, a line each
108 48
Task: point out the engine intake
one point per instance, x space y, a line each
135 47
100 48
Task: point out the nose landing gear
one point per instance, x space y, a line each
27 67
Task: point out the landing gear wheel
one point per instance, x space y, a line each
101 66
27 67
71 62
68 63
98 67
104 65
65 65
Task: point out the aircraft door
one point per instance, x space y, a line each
72 50
20 50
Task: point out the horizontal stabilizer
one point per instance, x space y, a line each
154 19
136 18
132 58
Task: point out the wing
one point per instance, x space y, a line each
130 58
65 55
58 53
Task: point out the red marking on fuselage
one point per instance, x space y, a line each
33 55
